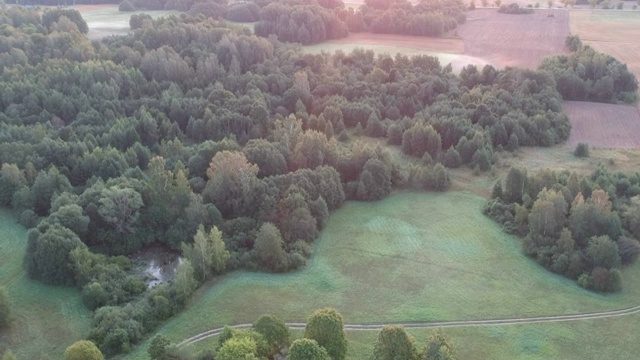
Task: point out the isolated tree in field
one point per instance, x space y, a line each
274 331
582 150
268 248
395 344
439 347
83 350
484 3
208 253
5 308
307 349
326 326
158 347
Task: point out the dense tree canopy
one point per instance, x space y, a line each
573 226
192 134
326 327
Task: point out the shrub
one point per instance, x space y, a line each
582 150
515 9
126 5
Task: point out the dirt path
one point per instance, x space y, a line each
428 325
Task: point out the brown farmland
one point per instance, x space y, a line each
603 125
514 40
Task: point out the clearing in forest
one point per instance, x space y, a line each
447 50
106 20
603 125
410 257
514 40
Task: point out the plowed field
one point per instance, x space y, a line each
603 125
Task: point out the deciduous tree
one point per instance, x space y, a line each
327 328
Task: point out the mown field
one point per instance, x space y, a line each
46 319
411 257
106 20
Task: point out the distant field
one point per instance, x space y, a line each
603 125
613 32
106 20
410 257
46 319
514 40
447 50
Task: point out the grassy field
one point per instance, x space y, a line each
411 257
106 20
46 319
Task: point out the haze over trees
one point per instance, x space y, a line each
232 149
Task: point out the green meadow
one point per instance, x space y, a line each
416 257
45 319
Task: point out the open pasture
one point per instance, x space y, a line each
514 40
603 125
45 319
410 257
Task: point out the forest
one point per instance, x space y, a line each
231 149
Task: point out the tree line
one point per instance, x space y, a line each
589 75
584 228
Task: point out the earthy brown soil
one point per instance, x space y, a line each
603 125
514 40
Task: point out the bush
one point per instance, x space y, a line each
582 150
573 42
126 5
514 8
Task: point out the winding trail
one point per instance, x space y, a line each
426 325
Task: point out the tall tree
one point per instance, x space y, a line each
83 350
439 347
326 326
274 331
395 344
207 253
307 349
268 248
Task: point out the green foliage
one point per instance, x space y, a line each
313 25
208 253
268 248
274 331
306 349
566 233
83 350
395 344
326 327
513 8
582 150
185 282
52 16
439 347
5 308
243 12
573 42
158 347
238 348
587 75
48 253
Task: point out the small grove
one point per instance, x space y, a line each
584 228
228 148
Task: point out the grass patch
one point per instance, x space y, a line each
45 319
410 257
107 20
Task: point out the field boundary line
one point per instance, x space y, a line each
436 324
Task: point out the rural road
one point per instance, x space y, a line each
426 325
